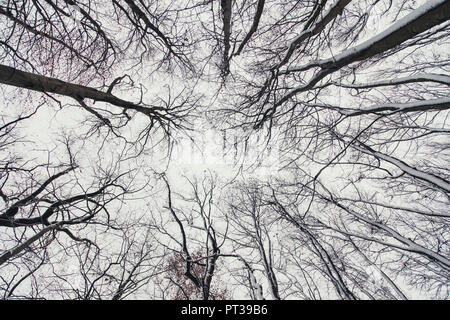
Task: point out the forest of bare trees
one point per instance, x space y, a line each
216 150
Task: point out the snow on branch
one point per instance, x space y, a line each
422 19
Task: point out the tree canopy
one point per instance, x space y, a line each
200 149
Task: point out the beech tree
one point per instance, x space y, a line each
192 266
341 105
57 55
356 96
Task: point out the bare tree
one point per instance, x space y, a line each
55 54
252 229
352 95
192 266
355 95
